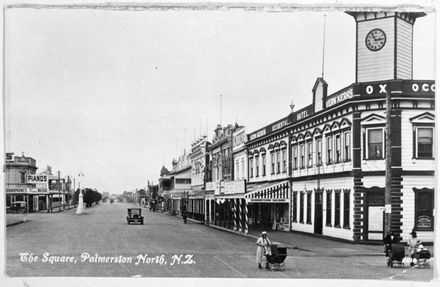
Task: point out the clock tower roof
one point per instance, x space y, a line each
382 14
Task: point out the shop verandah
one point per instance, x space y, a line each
265 207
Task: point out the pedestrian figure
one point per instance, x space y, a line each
263 249
413 244
388 240
184 214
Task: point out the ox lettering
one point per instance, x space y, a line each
382 89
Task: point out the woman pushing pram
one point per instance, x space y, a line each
419 254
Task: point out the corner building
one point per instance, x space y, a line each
330 155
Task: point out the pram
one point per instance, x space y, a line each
396 255
421 256
276 259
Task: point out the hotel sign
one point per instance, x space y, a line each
303 113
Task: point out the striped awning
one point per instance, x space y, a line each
269 192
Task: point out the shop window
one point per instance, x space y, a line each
272 162
301 207
318 152
347 143
424 209
309 154
337 209
338 148
328 213
251 167
295 157
375 143
302 160
278 161
329 150
257 166
263 171
309 208
424 142
294 206
347 209
284 160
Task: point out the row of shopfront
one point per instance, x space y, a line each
236 205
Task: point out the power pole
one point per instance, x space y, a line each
388 172
60 201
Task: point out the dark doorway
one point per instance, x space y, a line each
318 213
374 206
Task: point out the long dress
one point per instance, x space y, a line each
413 242
262 246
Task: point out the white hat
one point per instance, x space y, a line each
264 233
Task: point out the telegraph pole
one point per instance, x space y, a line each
60 201
388 172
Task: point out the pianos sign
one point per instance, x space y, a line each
33 178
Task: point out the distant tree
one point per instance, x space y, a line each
91 196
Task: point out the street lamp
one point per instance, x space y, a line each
80 209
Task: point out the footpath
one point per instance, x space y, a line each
313 245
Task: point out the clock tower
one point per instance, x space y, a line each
384 45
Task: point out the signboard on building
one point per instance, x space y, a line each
33 178
339 96
268 200
257 134
233 187
398 87
303 113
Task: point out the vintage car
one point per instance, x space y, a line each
135 215
17 207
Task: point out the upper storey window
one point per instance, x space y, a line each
423 136
375 140
424 142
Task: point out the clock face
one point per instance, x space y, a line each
375 40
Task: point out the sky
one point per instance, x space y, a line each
116 95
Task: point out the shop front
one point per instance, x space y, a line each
35 200
227 207
268 206
196 205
